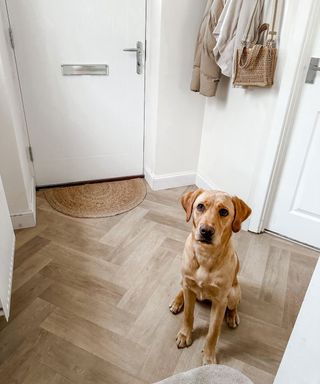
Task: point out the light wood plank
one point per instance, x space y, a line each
42 374
22 326
91 299
120 232
81 304
98 288
29 248
139 293
80 262
26 271
18 364
98 341
25 295
77 242
79 365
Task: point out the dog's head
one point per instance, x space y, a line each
215 215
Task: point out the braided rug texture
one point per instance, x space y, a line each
98 199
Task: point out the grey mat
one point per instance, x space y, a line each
208 374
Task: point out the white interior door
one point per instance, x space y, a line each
81 127
7 240
296 210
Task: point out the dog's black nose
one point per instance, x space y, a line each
206 232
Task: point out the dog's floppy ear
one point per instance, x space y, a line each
242 212
187 201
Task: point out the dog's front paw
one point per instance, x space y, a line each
183 339
207 359
176 306
232 318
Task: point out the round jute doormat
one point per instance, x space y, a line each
98 199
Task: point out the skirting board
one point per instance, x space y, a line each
202 182
169 180
26 219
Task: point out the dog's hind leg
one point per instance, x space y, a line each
177 304
232 317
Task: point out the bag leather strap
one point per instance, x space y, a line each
246 60
273 32
254 51
263 27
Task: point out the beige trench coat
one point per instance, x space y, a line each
206 73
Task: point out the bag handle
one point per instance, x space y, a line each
251 56
254 51
262 28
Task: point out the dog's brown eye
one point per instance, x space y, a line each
223 212
200 207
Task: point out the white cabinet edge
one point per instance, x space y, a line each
300 363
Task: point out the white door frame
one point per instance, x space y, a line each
296 66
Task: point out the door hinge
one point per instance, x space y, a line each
30 153
11 37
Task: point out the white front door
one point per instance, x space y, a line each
7 240
81 127
296 210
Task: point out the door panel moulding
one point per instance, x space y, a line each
296 67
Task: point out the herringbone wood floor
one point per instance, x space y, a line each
90 299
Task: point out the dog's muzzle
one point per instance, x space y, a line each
206 233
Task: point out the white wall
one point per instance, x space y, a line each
241 129
237 124
15 168
174 114
215 142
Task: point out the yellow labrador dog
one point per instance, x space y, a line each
210 264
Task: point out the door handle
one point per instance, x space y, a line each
312 70
139 55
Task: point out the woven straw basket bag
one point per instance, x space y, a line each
255 66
